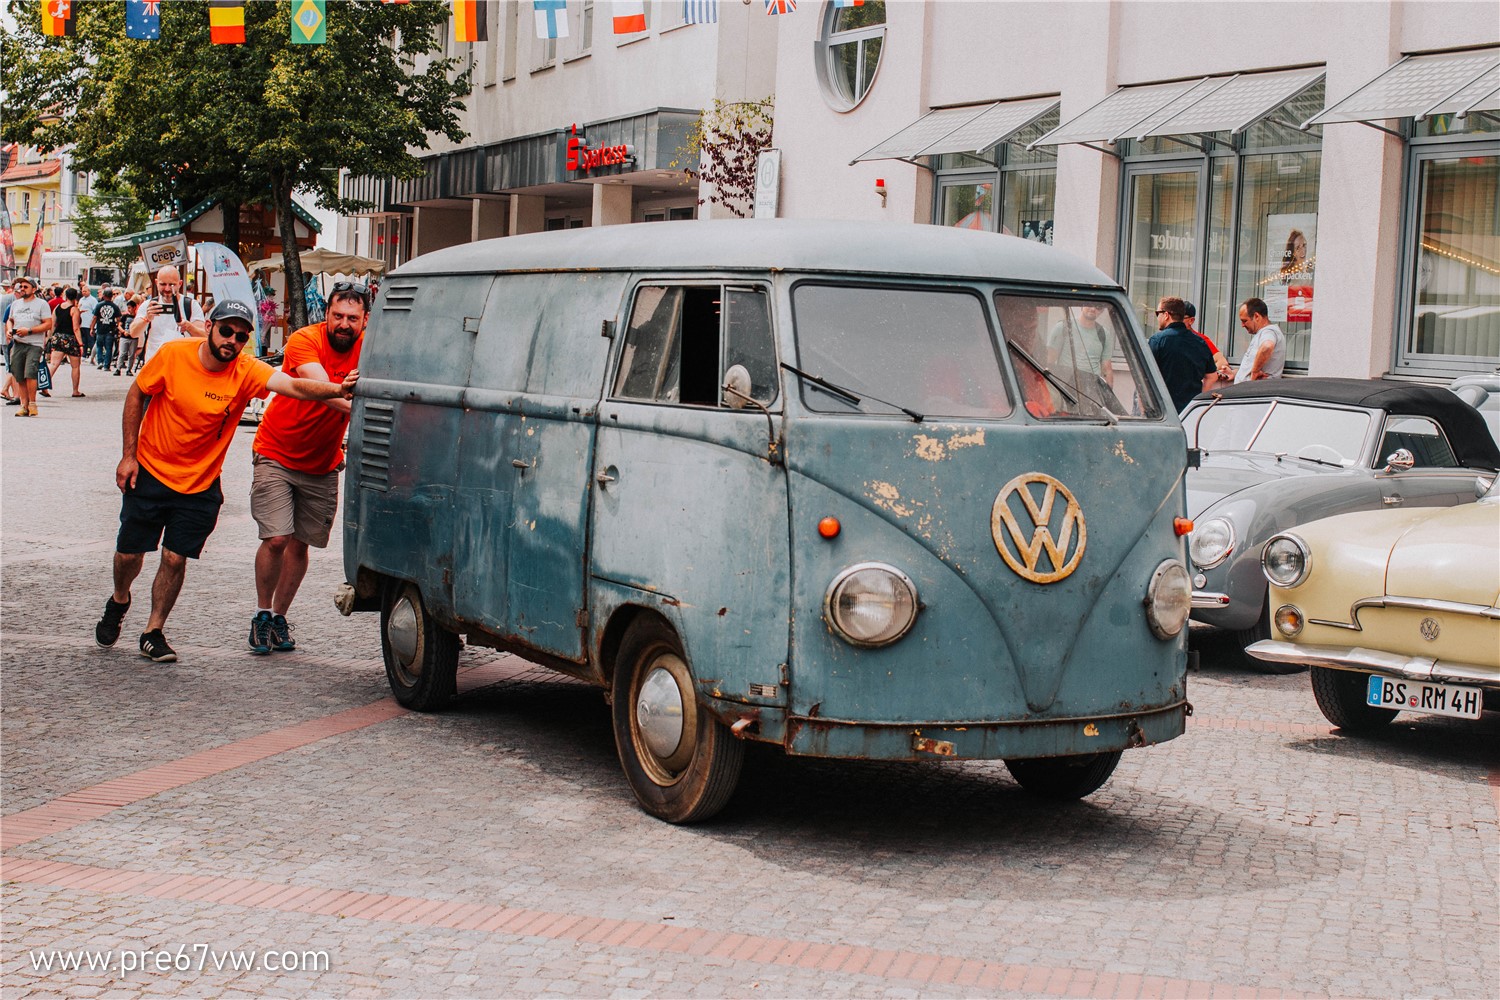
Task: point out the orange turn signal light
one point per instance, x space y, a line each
1182 525
829 527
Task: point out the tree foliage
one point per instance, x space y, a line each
180 119
112 210
726 142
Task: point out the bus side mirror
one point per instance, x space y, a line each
737 387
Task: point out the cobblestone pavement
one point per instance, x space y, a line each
195 813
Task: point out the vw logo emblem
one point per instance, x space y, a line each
1034 540
1429 629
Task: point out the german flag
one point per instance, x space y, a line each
469 21
57 18
226 22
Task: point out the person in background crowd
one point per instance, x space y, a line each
1084 343
1266 355
1222 372
126 356
298 453
54 296
1181 355
87 303
173 453
26 328
66 342
166 316
106 329
10 393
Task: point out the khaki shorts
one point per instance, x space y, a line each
286 502
24 359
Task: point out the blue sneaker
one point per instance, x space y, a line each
260 633
281 635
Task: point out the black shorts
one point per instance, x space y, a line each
154 507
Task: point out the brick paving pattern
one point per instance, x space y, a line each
235 803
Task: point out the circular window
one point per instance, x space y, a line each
848 52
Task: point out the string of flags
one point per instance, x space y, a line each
309 18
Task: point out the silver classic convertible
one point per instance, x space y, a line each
1281 452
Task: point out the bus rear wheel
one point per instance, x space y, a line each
1064 777
682 763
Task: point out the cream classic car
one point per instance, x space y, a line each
1394 610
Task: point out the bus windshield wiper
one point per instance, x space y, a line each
848 395
1069 391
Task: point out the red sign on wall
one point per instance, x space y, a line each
583 159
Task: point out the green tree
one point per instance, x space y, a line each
180 118
112 210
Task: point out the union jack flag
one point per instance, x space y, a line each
774 7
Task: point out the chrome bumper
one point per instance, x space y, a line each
1208 599
1373 661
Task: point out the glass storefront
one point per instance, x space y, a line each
1451 312
1026 181
1233 221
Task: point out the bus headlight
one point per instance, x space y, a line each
871 604
1286 560
1212 542
1169 598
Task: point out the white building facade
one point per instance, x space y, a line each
585 130
1340 161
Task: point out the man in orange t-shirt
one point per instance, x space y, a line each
298 454
173 452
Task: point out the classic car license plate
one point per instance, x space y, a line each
1418 696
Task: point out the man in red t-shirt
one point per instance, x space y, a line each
173 451
298 454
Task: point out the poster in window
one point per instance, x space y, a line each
1291 242
1037 230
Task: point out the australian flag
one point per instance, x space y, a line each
143 19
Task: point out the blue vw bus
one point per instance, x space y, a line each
858 490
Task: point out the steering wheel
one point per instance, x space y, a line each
1322 452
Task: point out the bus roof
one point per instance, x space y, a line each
768 244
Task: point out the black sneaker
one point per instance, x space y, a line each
154 647
108 628
260 633
281 635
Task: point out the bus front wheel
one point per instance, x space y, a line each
1064 777
682 763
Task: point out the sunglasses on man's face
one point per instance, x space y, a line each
242 336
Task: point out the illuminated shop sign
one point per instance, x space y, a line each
583 158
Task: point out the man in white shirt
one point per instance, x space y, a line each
1266 355
168 315
87 303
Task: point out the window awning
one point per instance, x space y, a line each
960 130
1448 83
1212 104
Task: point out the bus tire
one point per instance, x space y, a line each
421 657
1340 695
681 762
1064 777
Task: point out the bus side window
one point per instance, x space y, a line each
748 340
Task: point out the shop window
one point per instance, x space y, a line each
1220 218
1451 296
511 17
1024 182
848 52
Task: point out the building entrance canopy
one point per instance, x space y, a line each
1447 83
960 130
1213 104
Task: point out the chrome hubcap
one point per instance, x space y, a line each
401 632
658 712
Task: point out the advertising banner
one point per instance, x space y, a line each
1290 244
158 254
7 242
225 277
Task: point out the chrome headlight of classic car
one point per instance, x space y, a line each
1212 542
871 604
1286 560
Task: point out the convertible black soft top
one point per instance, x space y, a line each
1467 433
